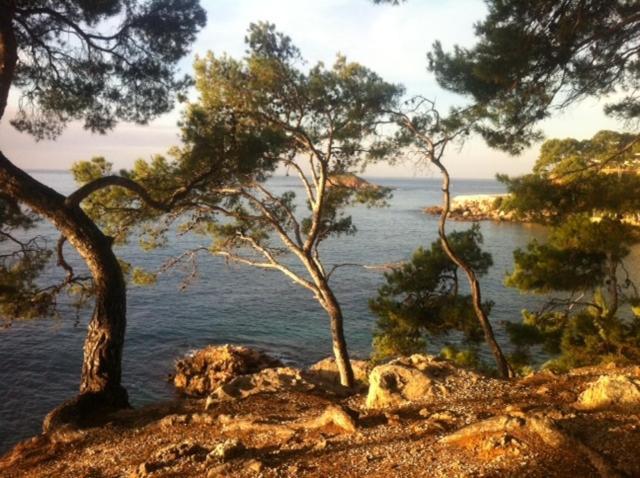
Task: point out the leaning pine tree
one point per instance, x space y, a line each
100 63
421 302
423 129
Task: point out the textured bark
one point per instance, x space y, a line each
101 371
338 341
8 51
613 287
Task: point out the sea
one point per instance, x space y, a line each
41 359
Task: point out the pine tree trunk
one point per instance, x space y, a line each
504 369
612 281
8 51
100 384
339 343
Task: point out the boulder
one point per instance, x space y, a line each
611 391
326 370
226 450
206 370
509 434
405 380
423 379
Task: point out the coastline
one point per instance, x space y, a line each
476 207
487 207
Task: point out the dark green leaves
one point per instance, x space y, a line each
588 192
100 62
422 298
532 57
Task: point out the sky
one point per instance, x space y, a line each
393 41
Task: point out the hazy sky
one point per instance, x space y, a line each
393 41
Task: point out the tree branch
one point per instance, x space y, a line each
61 260
269 265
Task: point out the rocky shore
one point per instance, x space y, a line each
488 207
412 417
478 207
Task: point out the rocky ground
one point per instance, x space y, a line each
418 417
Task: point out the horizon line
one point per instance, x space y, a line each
432 178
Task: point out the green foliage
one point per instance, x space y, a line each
253 115
466 357
533 57
331 115
142 277
421 299
23 257
21 262
546 267
587 192
100 61
585 337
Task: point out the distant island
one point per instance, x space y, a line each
351 181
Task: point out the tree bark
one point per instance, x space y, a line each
339 343
504 369
613 304
101 371
8 51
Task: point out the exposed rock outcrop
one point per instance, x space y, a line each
281 379
437 421
351 181
611 391
510 435
207 369
478 207
419 378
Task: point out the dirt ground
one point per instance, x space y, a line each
528 428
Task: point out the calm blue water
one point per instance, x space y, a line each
41 360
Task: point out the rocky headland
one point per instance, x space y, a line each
477 207
251 416
489 207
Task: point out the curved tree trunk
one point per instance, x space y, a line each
101 372
504 369
100 383
339 343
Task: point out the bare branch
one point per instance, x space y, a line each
303 178
269 265
61 260
294 221
75 198
373 267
